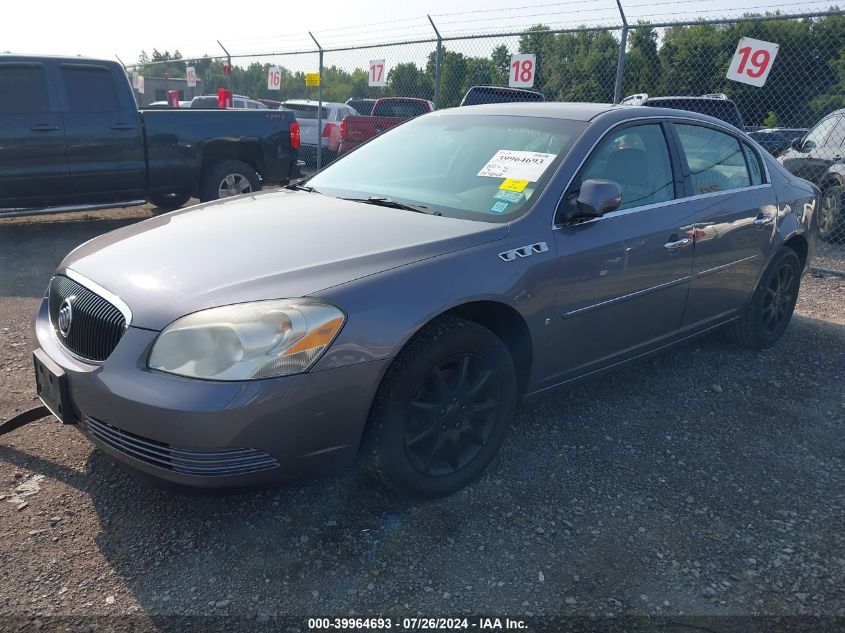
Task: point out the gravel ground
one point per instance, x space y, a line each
705 481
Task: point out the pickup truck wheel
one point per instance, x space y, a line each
442 410
169 201
771 306
832 215
228 178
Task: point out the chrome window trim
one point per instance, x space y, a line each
93 286
730 131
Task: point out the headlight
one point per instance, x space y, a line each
247 340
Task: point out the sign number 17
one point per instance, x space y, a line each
377 77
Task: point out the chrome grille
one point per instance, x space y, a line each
202 463
96 326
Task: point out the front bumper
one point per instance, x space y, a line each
171 428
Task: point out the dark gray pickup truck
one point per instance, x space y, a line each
71 136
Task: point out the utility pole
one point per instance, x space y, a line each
438 58
319 106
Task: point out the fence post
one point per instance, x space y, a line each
228 63
437 61
319 106
620 66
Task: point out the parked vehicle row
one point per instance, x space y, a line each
819 157
71 135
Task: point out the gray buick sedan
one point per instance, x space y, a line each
397 306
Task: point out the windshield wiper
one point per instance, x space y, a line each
383 201
298 186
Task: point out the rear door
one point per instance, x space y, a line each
623 277
735 213
104 137
33 163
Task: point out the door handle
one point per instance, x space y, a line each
44 127
763 220
122 126
675 245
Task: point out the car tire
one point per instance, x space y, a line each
169 201
771 306
233 176
832 215
442 411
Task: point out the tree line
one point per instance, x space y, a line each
807 79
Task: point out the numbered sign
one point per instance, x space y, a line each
274 78
522 70
191 75
312 79
752 61
139 86
378 77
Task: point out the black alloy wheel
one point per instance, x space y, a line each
452 415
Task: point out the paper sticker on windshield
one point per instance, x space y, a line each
509 196
500 206
513 185
516 165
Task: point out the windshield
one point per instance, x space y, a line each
479 167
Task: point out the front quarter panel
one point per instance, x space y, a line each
385 310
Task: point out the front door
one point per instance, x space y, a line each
735 219
622 278
104 138
33 166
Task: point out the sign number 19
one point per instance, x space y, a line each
522 71
752 61
759 60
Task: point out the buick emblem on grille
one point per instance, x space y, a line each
65 319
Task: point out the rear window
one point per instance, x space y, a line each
306 111
22 89
204 102
478 96
404 109
90 89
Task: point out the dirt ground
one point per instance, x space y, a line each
706 481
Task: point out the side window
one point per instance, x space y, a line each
715 159
239 104
817 136
90 89
638 160
252 105
754 166
836 138
22 89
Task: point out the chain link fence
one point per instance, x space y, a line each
796 114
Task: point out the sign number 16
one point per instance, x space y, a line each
752 61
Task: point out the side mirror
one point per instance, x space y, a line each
594 199
796 144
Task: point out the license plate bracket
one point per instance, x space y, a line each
51 385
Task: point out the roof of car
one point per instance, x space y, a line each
312 102
551 109
580 111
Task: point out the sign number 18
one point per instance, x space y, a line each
522 71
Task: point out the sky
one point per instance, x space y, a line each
101 29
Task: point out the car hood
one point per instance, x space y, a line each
267 246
